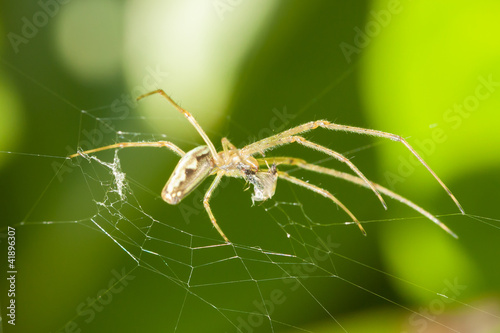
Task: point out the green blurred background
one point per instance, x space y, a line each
425 70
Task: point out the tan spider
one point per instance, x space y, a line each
203 161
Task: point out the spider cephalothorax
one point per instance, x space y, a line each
203 161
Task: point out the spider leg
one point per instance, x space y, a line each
157 144
277 140
206 203
189 117
226 144
337 156
356 180
323 192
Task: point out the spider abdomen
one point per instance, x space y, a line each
190 172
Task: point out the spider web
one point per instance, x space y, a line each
302 264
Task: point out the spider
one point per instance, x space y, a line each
203 161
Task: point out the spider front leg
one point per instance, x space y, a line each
206 204
273 142
281 138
